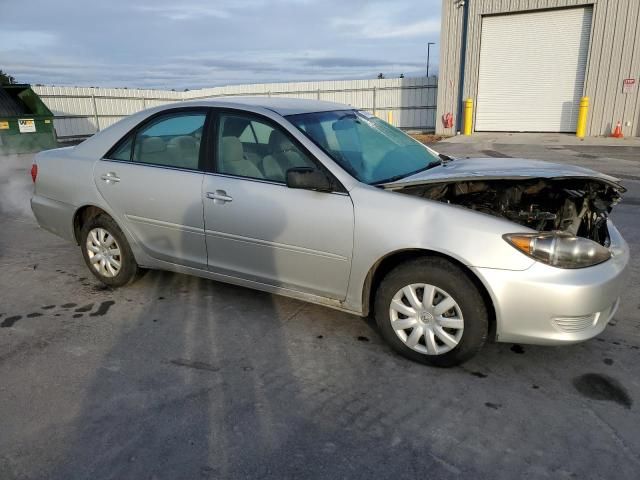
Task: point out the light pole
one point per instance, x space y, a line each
428 55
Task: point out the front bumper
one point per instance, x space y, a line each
545 305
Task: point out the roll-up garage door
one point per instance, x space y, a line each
532 68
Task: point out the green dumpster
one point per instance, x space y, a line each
26 124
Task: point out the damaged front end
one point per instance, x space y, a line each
578 206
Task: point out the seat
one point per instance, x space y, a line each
283 156
272 169
184 151
253 158
152 150
232 160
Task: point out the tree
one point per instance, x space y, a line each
6 79
380 76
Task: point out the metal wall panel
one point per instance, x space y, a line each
80 111
614 54
449 68
632 105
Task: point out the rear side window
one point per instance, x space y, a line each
171 140
256 132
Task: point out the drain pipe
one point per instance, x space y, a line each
463 58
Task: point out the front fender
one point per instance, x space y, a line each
387 222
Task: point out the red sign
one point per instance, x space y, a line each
628 85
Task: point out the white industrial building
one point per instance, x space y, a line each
526 64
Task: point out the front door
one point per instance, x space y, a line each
259 229
153 181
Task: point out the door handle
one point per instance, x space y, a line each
219 197
110 177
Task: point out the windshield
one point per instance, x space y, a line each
368 148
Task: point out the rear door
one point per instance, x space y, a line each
152 180
259 229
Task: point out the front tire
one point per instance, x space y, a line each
431 312
107 252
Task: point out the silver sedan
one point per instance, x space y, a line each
328 204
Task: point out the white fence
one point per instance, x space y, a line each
409 103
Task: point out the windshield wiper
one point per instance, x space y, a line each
446 158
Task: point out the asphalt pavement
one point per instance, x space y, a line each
176 377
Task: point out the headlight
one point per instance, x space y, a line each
559 249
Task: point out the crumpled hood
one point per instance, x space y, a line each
500 168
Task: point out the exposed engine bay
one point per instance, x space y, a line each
579 206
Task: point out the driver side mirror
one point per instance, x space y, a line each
308 179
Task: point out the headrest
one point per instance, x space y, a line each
233 126
152 145
183 142
231 149
278 142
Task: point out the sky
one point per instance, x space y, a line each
195 44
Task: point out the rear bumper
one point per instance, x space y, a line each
549 306
54 216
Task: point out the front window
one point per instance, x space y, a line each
248 147
368 148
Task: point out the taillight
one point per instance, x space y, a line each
34 172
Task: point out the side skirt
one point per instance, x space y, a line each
264 287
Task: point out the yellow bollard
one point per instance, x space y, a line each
468 116
581 128
390 117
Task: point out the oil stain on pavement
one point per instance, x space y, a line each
602 387
181 362
10 321
103 309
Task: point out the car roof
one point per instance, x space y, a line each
100 143
280 105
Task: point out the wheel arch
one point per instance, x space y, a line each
387 263
85 213
82 215
88 211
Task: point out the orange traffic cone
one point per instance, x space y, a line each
617 133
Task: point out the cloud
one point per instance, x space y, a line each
162 44
207 71
26 40
380 29
387 20
183 12
223 9
356 62
415 29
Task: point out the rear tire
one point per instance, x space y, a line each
430 311
107 253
